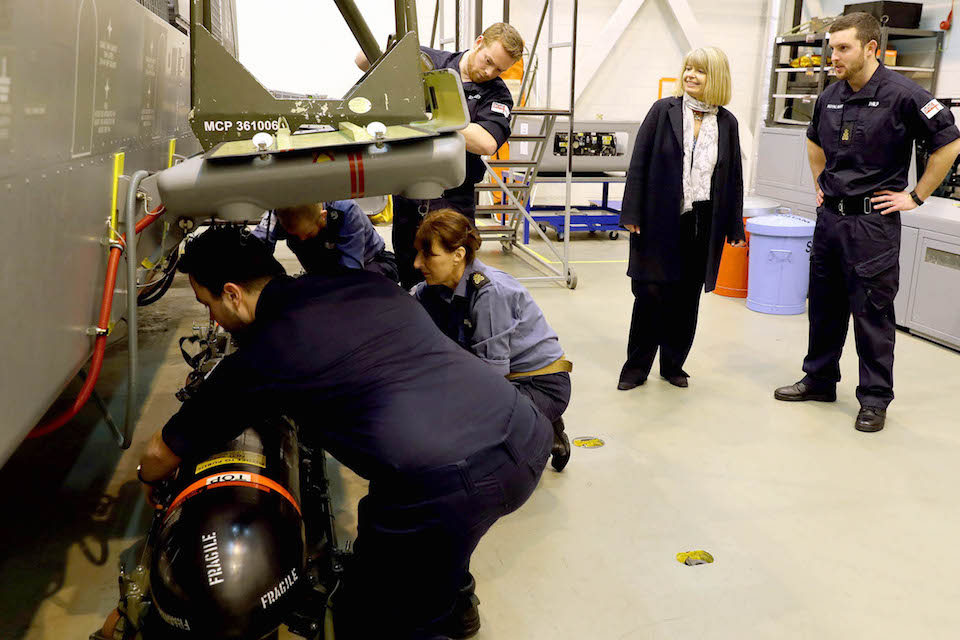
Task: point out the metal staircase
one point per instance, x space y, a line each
508 217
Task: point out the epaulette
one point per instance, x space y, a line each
479 280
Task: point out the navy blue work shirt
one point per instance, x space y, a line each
867 136
358 364
495 317
489 103
350 241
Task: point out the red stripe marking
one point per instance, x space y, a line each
257 482
362 174
353 176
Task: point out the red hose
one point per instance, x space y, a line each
100 345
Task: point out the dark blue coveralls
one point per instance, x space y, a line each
867 138
448 445
490 104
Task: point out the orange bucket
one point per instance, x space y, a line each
734 263
732 277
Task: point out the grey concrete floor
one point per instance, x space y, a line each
818 531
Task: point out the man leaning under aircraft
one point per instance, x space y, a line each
448 445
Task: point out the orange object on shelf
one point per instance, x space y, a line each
732 278
664 82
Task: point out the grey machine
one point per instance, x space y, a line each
598 145
96 112
928 303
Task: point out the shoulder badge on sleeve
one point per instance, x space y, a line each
479 280
502 109
932 108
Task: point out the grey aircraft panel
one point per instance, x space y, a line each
80 80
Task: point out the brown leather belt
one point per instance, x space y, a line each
559 366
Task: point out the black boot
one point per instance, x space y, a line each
561 446
464 621
870 419
802 391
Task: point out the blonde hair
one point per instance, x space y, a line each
506 35
713 62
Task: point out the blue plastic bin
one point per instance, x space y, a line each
779 263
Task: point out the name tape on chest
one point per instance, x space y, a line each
932 108
502 109
834 106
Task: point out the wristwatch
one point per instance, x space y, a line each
916 198
149 483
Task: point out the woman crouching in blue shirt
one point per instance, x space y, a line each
489 313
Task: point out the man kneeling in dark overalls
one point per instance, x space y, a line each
386 400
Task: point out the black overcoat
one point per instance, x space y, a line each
653 195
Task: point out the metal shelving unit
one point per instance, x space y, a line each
791 98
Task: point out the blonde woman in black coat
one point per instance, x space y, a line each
683 198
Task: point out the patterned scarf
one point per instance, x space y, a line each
700 160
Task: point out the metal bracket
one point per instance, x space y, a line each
229 104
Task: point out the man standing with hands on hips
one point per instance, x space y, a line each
490 103
859 145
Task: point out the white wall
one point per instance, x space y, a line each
305 46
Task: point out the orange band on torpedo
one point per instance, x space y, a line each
256 481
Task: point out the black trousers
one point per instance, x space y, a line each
550 393
407 216
854 269
412 554
665 313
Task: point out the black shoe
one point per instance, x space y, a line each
870 419
464 621
802 391
623 385
561 446
678 381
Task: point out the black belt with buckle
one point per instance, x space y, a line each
856 206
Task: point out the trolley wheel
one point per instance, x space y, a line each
614 235
571 279
593 232
543 227
506 246
559 236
